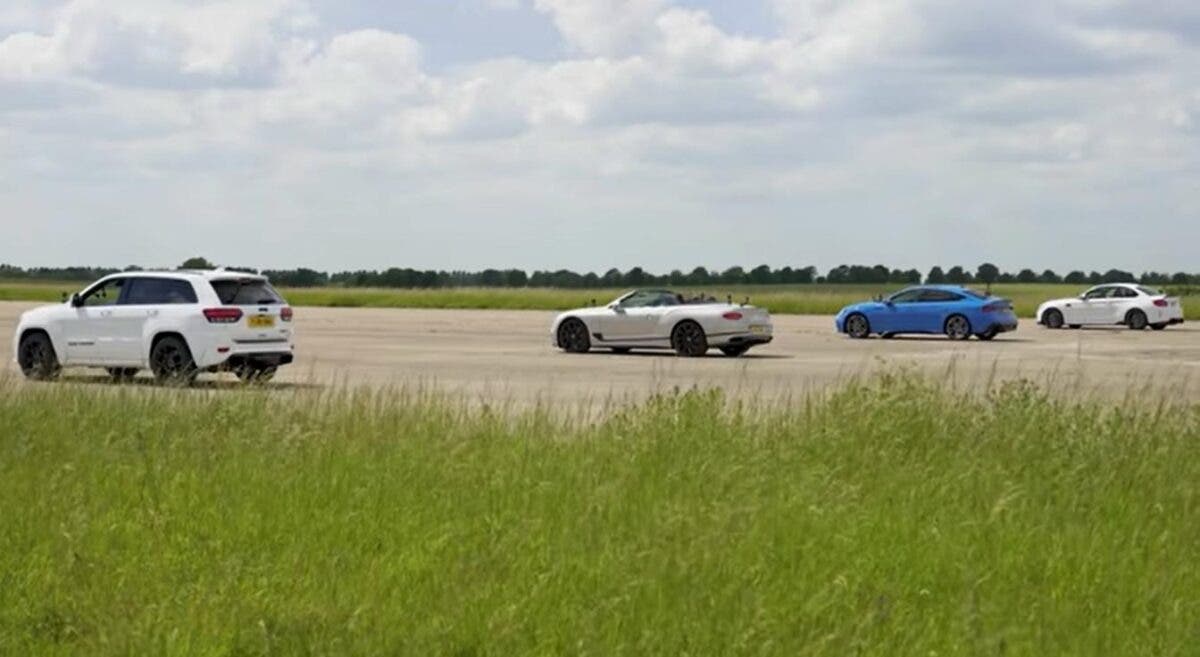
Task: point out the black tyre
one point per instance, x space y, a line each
122 374
957 327
857 326
1052 319
171 361
573 336
735 350
620 350
1136 320
688 340
255 373
1158 327
37 359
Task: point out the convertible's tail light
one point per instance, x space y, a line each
732 315
286 313
1161 303
223 315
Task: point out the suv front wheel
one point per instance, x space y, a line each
171 361
36 357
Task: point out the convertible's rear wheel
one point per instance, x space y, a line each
37 359
735 350
857 326
1136 320
958 328
688 339
573 336
1052 319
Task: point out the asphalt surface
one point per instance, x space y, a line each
507 356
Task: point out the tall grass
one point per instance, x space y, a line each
817 299
891 518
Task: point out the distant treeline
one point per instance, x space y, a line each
636 277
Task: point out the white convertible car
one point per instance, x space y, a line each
659 319
1135 306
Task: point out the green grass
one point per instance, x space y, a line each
894 518
779 299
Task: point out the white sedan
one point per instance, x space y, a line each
1135 306
659 319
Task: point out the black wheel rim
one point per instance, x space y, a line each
171 361
573 336
957 327
33 356
857 326
689 339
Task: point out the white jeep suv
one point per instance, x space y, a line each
177 323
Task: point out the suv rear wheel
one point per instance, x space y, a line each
171 361
255 373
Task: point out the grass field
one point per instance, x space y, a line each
892 518
779 299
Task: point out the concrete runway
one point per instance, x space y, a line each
507 356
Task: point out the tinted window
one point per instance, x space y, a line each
939 295
646 299
906 296
1098 293
1123 293
1150 292
245 292
975 293
106 294
147 291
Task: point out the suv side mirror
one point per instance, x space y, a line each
76 300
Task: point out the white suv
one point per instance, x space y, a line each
177 323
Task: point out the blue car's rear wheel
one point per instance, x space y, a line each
958 327
857 326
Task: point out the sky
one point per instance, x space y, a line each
589 134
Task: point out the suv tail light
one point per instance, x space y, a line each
1161 303
732 315
285 313
222 315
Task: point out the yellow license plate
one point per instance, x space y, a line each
758 329
261 321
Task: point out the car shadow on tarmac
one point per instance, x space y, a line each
666 353
939 338
201 384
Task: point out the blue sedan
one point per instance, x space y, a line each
958 312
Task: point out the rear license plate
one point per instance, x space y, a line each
261 321
758 328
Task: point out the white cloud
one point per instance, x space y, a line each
654 119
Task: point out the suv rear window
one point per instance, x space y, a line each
155 291
245 292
